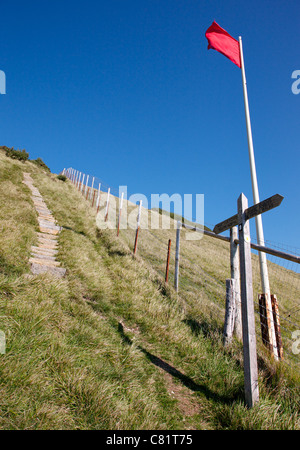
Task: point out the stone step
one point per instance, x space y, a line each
43 211
48 223
47 262
48 246
48 241
44 251
37 255
49 218
46 236
46 230
37 269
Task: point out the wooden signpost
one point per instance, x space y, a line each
255 210
248 321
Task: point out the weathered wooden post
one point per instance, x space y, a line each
82 184
107 204
137 227
92 187
98 198
235 274
79 181
120 211
248 320
168 261
86 184
230 311
176 276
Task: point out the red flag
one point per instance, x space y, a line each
220 40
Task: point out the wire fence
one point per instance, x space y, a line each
203 273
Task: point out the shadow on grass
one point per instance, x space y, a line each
207 329
110 245
185 380
66 227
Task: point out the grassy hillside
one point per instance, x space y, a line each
110 346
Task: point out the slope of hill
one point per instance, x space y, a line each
110 346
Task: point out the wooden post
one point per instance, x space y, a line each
137 227
248 321
168 261
120 211
86 184
230 310
265 322
98 198
176 277
78 181
87 193
82 184
235 274
277 325
107 204
92 187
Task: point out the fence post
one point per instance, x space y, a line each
137 227
120 211
78 181
98 198
176 277
107 204
235 274
248 321
168 261
86 184
230 310
82 184
94 193
92 187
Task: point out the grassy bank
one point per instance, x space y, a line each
110 346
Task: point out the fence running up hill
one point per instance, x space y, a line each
283 266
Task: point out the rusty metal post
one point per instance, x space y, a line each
93 198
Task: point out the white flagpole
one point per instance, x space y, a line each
258 220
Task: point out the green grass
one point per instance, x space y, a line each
110 346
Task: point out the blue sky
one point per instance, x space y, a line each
126 90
